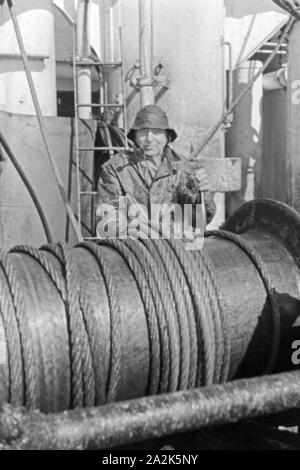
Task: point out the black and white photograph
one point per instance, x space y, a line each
149 228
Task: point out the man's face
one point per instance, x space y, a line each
151 141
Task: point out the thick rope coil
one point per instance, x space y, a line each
115 322
184 309
13 336
96 347
29 360
42 259
173 286
205 328
154 339
261 268
58 281
88 315
188 337
211 308
166 309
82 377
216 301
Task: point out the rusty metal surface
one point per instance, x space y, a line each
152 417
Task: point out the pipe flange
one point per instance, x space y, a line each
274 217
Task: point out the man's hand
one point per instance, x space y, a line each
196 176
203 182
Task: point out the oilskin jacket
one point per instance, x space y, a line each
127 174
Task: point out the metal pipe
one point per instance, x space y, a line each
84 76
274 44
152 417
276 80
229 82
239 138
146 41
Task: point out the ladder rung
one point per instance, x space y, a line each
104 64
88 193
98 105
86 149
91 238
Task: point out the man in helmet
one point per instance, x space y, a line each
153 173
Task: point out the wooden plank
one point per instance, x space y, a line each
224 174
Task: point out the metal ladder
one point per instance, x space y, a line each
104 105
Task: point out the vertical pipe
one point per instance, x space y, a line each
84 81
293 124
243 139
146 39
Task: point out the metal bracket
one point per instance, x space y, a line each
156 80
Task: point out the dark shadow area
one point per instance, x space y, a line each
259 349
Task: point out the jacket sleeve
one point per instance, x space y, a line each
187 193
109 194
108 189
210 206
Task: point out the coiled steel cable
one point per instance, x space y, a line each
100 376
13 336
81 363
23 341
94 392
159 358
204 323
185 307
59 282
217 308
115 323
188 338
261 269
41 258
174 291
165 304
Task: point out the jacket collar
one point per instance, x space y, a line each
170 163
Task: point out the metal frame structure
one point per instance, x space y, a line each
103 106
